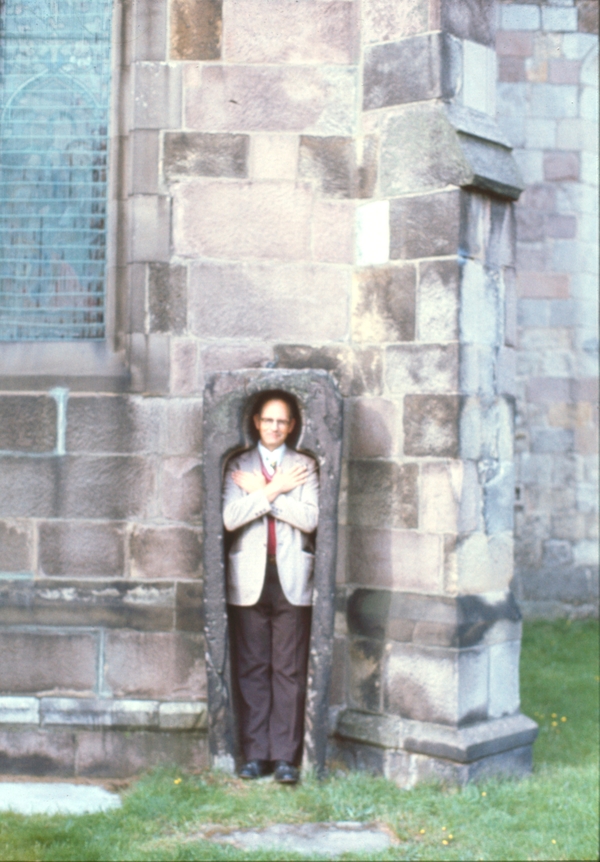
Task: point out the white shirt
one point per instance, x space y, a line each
273 459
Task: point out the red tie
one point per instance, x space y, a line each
271 534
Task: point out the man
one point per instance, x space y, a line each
271 506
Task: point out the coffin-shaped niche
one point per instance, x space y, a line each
228 400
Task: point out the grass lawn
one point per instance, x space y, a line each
551 815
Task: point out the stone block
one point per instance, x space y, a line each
559 19
557 554
242 220
16 546
273 157
386 20
165 552
247 300
181 488
512 43
150 29
436 685
114 488
382 494
440 494
184 426
422 368
144 161
157 96
275 31
197 154
196 29
560 226
364 674
98 712
371 427
224 357
481 308
332 231
328 162
520 17
561 167
538 285
150 228
373 233
498 496
189 607
563 71
425 226
19 710
479 76
87 602
438 301
431 425
27 423
384 304
400 559
511 69
183 716
504 679
27 487
473 21
308 99
483 564
414 69
113 423
551 439
155 665
122 754
167 298
587 16
357 372
43 662
29 751
550 101
76 548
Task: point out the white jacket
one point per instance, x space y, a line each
296 514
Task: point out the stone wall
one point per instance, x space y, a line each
548 108
296 185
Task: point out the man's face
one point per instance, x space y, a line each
274 424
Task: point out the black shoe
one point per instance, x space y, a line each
286 773
255 769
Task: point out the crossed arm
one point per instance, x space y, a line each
248 496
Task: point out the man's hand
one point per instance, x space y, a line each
249 482
281 482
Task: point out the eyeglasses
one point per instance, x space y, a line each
280 423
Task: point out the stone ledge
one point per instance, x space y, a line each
462 745
91 713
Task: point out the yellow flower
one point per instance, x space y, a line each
450 836
564 718
554 840
422 831
444 841
443 828
553 715
554 723
483 793
177 781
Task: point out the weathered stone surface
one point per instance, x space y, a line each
438 303
98 712
241 220
371 427
364 674
305 99
383 494
29 751
340 167
356 371
182 716
157 96
425 226
504 679
155 665
27 423
119 754
275 31
117 423
150 29
483 563
183 426
436 685
190 154
226 399
196 29
16 546
165 552
431 425
422 368
440 496
414 69
69 602
189 610
181 488
242 301
386 20
384 304
145 145
45 662
332 231
150 231
274 157
167 298
401 559
77 548
19 710
225 357
473 19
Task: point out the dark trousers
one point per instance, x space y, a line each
271 640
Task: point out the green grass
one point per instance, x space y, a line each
164 813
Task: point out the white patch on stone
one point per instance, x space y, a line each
373 233
324 839
479 77
40 798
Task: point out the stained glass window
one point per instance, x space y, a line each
54 110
